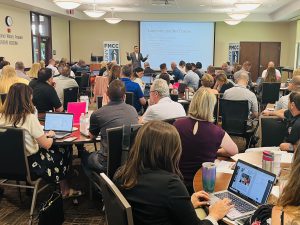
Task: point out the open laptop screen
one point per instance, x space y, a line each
251 183
147 79
59 122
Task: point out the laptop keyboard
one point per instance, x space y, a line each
239 204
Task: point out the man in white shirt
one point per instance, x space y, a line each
161 106
294 85
271 64
191 79
51 66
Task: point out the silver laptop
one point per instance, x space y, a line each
60 123
249 188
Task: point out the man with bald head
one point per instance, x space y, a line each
148 71
51 65
294 86
178 75
240 92
271 64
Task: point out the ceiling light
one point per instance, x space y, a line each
247 6
93 12
65 4
238 16
112 19
232 22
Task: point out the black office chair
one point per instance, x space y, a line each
270 93
99 101
273 131
174 97
217 108
120 140
234 119
3 97
14 164
83 82
117 209
70 95
129 98
172 120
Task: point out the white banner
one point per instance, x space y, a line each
111 51
234 51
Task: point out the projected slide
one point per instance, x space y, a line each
174 41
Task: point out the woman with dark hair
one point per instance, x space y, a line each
138 73
115 73
152 183
44 160
222 83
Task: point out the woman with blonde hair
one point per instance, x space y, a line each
43 64
222 83
201 140
207 81
33 72
8 78
270 78
151 181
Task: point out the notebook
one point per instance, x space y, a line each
249 188
60 123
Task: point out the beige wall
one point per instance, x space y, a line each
87 37
20 27
60 37
246 31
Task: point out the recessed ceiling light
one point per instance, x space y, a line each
238 16
247 6
232 22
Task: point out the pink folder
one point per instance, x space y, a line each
76 108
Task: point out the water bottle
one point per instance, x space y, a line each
268 161
81 123
186 93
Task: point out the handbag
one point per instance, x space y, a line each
51 211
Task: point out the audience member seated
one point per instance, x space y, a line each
201 140
240 92
80 67
236 67
151 181
64 81
42 63
207 81
167 79
292 118
182 67
9 77
211 70
3 63
270 77
161 106
19 67
245 69
271 65
44 95
164 70
296 72
225 67
51 65
148 71
33 72
196 70
43 159
107 72
191 79
131 86
222 83
115 113
286 210
294 85
177 74
199 67
103 68
138 73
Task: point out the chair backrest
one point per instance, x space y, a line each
120 140
182 87
85 80
270 92
70 95
117 209
174 97
272 130
13 161
99 101
78 80
172 120
3 97
234 116
129 98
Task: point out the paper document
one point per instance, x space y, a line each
275 191
224 166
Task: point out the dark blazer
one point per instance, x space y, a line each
136 62
160 198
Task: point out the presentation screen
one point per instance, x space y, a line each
166 42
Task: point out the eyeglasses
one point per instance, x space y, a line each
154 91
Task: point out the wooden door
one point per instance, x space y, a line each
249 51
269 51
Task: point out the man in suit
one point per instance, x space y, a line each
136 57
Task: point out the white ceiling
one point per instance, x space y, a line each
189 10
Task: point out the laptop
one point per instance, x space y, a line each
147 79
96 72
249 188
60 123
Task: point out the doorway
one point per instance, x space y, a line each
259 54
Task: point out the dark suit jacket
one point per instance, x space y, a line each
136 62
160 198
